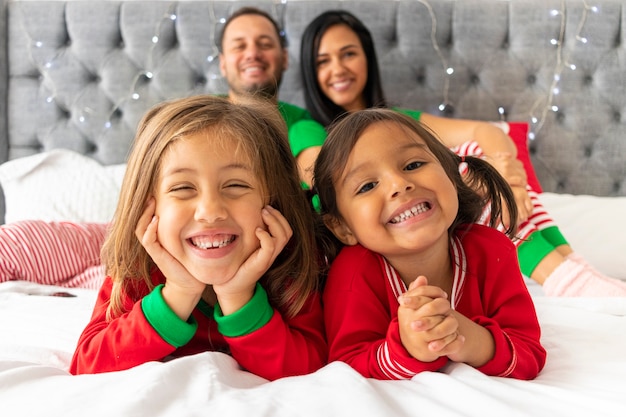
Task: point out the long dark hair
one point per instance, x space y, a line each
321 107
493 189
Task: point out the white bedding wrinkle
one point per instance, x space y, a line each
584 373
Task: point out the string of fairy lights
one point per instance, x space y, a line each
561 65
537 113
540 109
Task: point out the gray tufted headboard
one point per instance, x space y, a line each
80 74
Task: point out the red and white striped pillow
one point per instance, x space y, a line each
53 253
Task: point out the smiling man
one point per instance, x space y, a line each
253 58
253 54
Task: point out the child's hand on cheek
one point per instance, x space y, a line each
181 291
235 293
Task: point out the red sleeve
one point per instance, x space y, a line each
361 319
284 347
122 343
508 310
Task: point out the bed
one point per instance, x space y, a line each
76 76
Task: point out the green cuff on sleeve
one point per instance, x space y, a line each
305 134
252 316
167 324
553 235
532 251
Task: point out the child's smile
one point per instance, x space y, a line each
412 212
394 196
209 202
215 242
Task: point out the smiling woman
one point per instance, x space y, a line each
212 193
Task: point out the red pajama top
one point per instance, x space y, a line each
257 336
361 309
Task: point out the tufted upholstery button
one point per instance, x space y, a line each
474 79
617 186
91 147
420 79
531 79
587 79
617 117
201 80
560 116
588 151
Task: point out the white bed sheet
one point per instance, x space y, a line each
585 373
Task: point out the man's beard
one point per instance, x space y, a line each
268 90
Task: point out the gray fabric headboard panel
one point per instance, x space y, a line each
80 74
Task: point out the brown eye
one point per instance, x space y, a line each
413 166
366 187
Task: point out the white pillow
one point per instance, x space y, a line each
594 227
60 185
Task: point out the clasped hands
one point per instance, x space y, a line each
429 327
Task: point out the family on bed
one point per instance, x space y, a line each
409 255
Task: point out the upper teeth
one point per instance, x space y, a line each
204 243
420 208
